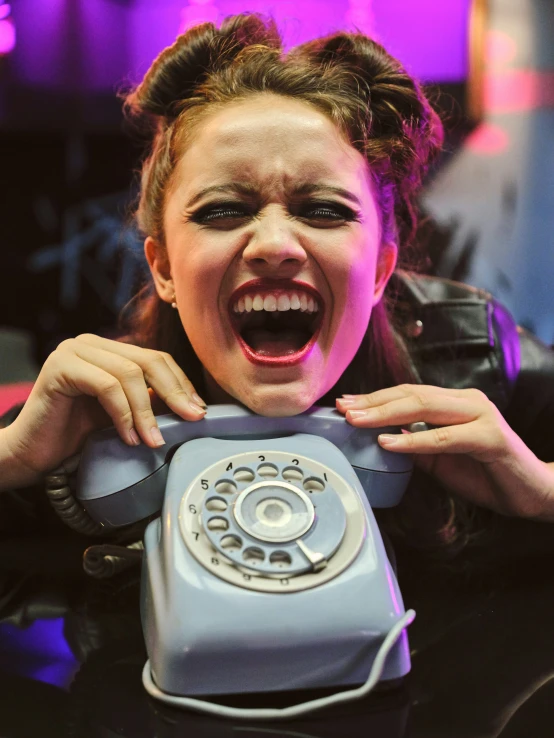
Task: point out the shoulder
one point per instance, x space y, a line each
460 336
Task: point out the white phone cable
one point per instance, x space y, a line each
284 713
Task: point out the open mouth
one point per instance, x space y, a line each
276 322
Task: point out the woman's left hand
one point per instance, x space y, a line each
471 450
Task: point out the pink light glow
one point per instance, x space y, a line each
488 140
519 89
7 36
501 48
5 10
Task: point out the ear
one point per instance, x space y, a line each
386 264
158 262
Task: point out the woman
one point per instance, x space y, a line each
277 198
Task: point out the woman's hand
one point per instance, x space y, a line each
90 382
473 452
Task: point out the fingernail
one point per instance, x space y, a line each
156 436
346 401
357 414
198 400
133 437
197 409
387 440
349 397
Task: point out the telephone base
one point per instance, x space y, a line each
208 632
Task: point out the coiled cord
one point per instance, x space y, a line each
64 503
99 561
107 560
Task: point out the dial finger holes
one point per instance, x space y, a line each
243 474
225 487
216 504
253 556
218 525
313 484
268 471
280 559
231 543
293 474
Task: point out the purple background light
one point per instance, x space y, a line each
39 652
97 44
5 10
7 36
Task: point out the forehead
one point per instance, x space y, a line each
273 142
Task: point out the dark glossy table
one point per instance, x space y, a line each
482 658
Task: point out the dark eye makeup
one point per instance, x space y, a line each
233 214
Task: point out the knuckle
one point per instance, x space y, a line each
67 345
126 417
441 436
382 412
177 393
478 395
109 386
144 412
130 372
421 400
154 362
85 337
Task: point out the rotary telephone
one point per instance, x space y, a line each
266 570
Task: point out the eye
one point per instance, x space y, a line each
224 215
323 214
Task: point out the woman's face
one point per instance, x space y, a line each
273 252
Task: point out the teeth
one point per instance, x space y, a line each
272 304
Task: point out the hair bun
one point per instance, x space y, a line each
182 67
396 104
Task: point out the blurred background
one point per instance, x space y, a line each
70 257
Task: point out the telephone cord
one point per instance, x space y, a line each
285 713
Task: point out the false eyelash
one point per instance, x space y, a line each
314 210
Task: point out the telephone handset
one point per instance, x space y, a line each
266 570
118 484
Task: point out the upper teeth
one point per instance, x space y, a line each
271 302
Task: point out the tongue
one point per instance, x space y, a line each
283 343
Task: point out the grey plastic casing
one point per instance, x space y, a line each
206 636
119 484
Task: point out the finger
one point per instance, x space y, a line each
91 380
131 379
389 394
184 381
434 409
472 438
161 372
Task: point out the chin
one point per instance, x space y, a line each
279 402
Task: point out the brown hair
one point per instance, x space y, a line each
353 80
380 109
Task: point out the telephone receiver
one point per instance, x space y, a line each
119 484
266 570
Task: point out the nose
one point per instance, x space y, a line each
274 242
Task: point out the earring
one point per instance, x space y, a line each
174 304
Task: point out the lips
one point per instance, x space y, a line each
276 322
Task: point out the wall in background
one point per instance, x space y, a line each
495 197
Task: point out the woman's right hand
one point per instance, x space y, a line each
87 383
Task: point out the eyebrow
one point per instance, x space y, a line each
249 190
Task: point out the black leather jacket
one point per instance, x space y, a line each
460 337
457 337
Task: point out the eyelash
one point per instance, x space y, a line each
331 212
